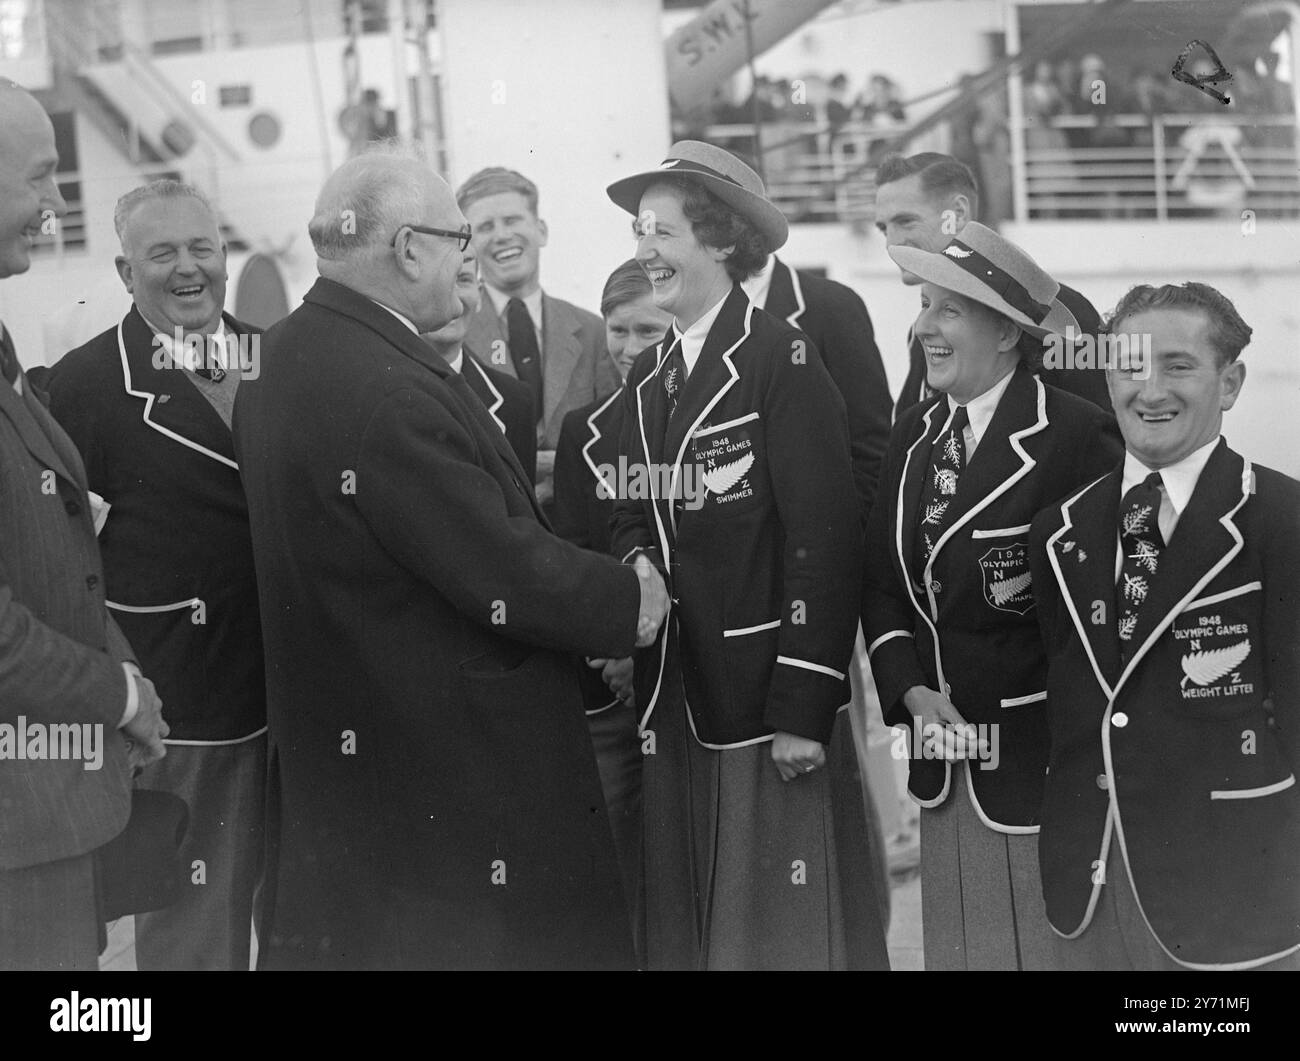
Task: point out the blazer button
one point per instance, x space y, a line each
92 581
72 507
936 586
1119 720
1103 782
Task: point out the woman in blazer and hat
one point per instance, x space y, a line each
735 480
948 610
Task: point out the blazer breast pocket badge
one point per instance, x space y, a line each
725 456
1216 653
1005 573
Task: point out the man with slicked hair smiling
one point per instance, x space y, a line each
434 796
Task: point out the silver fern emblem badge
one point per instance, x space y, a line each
1212 664
722 478
1006 589
950 451
953 251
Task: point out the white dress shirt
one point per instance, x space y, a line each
532 303
980 410
692 339
458 362
1177 482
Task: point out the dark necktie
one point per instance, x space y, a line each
1140 543
674 375
523 349
8 357
947 459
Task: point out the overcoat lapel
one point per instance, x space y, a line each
340 299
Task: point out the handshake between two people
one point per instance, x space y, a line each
617 673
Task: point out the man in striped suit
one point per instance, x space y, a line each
63 661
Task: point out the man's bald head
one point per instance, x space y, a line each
29 197
362 234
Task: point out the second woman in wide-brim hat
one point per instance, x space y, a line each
947 608
755 838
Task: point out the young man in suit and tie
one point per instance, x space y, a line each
1168 595
509 400
552 345
62 658
148 403
924 200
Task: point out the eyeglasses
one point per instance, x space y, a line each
463 236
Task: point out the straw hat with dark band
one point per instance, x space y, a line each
717 171
993 271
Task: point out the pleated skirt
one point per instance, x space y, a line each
744 871
981 893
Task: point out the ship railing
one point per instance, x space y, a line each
1171 167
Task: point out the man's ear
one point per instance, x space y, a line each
544 231
961 206
124 271
404 255
720 254
1232 379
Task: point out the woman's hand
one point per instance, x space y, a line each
796 755
946 734
618 676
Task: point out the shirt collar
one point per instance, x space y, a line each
166 341
980 409
692 338
1179 479
533 303
758 285
458 362
404 319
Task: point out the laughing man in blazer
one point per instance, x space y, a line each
574 369
152 422
1169 597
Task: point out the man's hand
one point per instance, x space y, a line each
145 732
796 755
654 601
942 727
